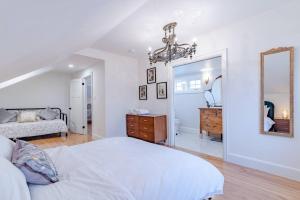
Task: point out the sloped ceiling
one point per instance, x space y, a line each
35 34
143 28
78 61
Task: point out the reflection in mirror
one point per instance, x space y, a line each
216 91
277 92
209 98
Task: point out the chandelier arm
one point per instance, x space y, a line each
180 45
160 50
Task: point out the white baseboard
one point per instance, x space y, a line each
266 166
185 129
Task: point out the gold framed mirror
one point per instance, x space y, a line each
277 92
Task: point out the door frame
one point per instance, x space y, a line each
85 101
171 112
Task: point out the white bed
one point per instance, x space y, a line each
128 169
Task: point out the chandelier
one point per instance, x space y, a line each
172 49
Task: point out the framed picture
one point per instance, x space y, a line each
143 92
151 75
161 90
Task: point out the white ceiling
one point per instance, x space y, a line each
143 28
36 34
79 62
204 66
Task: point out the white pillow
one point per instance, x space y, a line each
12 182
268 123
27 116
6 147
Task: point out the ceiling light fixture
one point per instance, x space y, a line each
172 49
71 66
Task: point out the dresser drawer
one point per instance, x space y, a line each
132 133
146 120
219 113
132 125
215 129
146 128
146 136
282 125
132 119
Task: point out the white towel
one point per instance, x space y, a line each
140 111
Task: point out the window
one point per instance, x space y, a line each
180 86
195 84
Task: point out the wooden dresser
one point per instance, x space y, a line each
282 125
151 128
211 121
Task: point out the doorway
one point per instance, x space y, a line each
81 105
198 112
88 104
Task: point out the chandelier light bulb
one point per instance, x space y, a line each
71 66
194 40
149 49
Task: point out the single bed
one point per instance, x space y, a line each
128 169
37 128
29 129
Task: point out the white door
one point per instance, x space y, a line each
77 106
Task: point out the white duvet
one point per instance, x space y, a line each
128 169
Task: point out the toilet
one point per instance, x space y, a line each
177 126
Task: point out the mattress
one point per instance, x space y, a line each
128 169
28 129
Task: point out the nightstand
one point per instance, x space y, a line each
282 125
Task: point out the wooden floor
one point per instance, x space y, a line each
240 183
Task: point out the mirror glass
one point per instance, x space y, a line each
216 91
277 92
209 98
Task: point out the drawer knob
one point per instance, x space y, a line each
145 120
145 128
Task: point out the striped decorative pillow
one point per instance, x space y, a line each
35 163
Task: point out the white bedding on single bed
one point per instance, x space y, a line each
128 169
28 129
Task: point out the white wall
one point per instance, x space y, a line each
121 90
244 41
49 89
186 110
98 99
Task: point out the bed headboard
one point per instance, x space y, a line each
272 109
62 116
